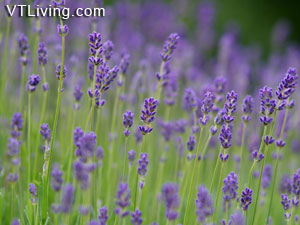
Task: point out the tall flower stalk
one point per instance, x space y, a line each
62 31
284 91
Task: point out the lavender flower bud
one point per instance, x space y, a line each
58 71
33 82
45 132
287 86
225 137
285 201
191 143
63 30
246 198
33 192
136 217
169 47
247 107
42 54
103 215
131 157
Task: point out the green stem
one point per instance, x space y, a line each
94 98
125 156
242 156
218 191
202 155
55 123
276 166
137 175
259 151
28 137
22 86
259 183
116 220
71 154
43 110
193 175
215 171
158 92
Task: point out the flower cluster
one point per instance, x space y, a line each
148 115
171 199
142 169
246 198
123 200
33 82
24 49
127 122
230 189
267 105
247 107
203 204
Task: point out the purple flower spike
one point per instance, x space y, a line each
267 104
45 132
230 188
246 198
127 122
58 70
288 84
124 64
204 204
285 201
33 82
225 137
191 143
108 48
136 217
77 93
33 192
86 145
169 47
17 122
103 215
123 200
131 157
171 199
67 198
296 183
95 44
231 101
143 163
42 54
24 48
247 107
82 174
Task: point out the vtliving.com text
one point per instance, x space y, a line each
64 13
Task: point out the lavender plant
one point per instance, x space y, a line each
73 151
